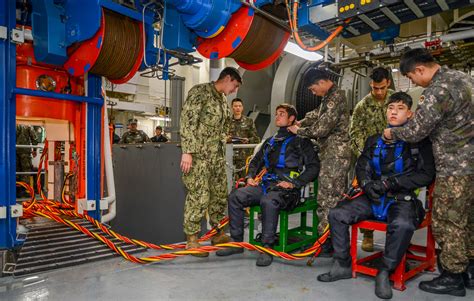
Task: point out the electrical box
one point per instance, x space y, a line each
351 8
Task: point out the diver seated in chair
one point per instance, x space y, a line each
290 163
389 174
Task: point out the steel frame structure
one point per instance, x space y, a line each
8 92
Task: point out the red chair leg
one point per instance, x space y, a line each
430 250
355 233
397 276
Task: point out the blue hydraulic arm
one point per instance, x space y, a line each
206 18
7 126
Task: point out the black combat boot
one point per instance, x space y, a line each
383 289
469 275
339 270
326 249
445 284
265 259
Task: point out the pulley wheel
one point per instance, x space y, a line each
115 52
253 41
262 46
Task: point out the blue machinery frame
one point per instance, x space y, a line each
8 91
7 127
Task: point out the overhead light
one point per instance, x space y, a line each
298 51
158 118
394 70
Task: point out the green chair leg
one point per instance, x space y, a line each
291 239
252 225
283 240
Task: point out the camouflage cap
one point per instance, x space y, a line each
132 121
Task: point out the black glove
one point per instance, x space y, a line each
391 183
375 189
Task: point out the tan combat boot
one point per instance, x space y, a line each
368 242
220 238
192 242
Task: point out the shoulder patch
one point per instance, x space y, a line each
422 98
330 104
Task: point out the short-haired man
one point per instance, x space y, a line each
388 173
328 125
205 123
134 135
159 137
444 114
242 131
369 119
291 163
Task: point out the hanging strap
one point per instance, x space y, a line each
271 142
269 177
399 158
380 153
281 156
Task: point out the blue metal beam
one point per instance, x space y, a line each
39 93
7 125
93 148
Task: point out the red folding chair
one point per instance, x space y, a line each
426 261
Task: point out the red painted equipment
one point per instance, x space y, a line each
31 75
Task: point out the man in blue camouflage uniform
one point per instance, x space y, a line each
444 115
205 123
369 119
328 126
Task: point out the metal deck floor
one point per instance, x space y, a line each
212 278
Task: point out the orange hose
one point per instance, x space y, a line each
294 26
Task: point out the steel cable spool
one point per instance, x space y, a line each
262 42
253 41
115 51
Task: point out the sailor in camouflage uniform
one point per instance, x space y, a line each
445 115
205 123
242 131
134 135
328 125
25 135
367 120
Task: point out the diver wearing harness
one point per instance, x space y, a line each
389 174
291 163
